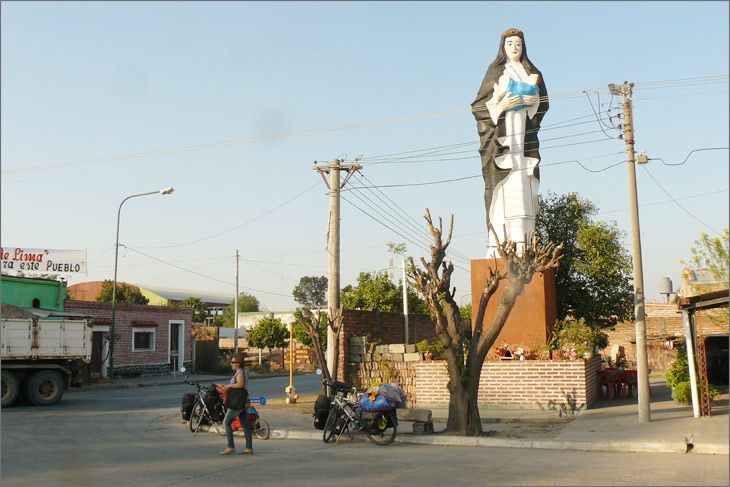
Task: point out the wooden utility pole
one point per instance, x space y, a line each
642 364
333 244
235 312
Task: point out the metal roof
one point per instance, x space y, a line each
181 294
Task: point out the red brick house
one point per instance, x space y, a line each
151 340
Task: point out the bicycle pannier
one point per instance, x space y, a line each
321 411
186 407
236 398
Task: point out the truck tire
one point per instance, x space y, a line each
44 388
9 388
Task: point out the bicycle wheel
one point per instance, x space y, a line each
329 426
261 429
196 416
382 429
219 428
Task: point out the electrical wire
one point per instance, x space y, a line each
395 119
407 219
657 203
202 275
218 234
598 119
688 155
427 249
677 202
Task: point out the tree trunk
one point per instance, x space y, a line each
464 418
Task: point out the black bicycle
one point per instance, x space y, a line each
346 417
208 409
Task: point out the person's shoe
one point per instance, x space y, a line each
228 451
247 451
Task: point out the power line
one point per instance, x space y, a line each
267 212
201 275
688 155
408 219
393 230
305 132
656 203
678 203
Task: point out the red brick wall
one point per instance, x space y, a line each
663 325
383 328
125 315
518 383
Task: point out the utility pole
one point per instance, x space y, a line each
642 365
333 244
405 303
235 312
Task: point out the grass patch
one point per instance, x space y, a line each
304 405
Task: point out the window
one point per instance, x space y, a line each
144 340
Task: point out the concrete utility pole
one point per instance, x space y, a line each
333 243
235 312
405 304
642 364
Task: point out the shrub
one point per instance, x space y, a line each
679 371
435 346
579 335
683 393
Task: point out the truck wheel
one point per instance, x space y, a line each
9 388
44 387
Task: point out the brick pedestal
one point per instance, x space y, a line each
532 318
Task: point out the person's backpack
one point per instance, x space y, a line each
186 406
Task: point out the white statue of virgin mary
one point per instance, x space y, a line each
509 108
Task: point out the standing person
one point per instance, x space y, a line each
508 108
238 381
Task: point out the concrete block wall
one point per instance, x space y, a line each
380 328
147 363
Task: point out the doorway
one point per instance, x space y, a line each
177 345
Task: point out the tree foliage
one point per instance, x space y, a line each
200 312
376 292
247 303
267 333
125 293
311 291
303 321
594 278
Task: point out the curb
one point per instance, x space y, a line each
447 440
165 383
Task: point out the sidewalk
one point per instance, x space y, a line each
610 425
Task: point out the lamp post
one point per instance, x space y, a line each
164 191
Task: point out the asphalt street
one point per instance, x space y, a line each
135 436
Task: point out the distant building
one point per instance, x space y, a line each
698 281
44 298
214 303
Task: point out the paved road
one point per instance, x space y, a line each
135 437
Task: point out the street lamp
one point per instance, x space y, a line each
164 191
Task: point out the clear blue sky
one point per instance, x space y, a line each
87 81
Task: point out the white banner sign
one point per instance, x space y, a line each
43 261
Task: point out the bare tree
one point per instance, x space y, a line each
434 282
311 321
